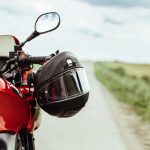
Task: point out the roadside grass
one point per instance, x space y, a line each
130 83
36 67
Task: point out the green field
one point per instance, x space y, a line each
138 70
130 83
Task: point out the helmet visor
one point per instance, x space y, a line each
65 86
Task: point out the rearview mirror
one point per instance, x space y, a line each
47 22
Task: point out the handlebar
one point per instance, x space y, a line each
34 60
27 60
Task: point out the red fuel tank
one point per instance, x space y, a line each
14 109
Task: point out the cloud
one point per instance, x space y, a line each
9 10
91 32
120 3
17 7
112 21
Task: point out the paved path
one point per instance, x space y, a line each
94 128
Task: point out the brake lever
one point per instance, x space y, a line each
6 66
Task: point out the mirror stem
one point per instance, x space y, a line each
17 47
32 36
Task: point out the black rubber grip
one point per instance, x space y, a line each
36 60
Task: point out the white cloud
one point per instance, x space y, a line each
120 3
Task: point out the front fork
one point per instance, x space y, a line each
24 141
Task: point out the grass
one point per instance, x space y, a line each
36 67
138 70
130 83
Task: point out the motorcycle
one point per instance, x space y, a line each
59 86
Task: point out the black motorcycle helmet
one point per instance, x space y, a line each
61 85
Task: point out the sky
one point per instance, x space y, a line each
120 3
92 29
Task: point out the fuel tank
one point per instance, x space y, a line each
14 109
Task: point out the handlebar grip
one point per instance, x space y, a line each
28 60
36 60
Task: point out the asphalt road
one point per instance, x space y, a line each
94 128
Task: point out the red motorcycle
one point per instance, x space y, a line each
59 86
